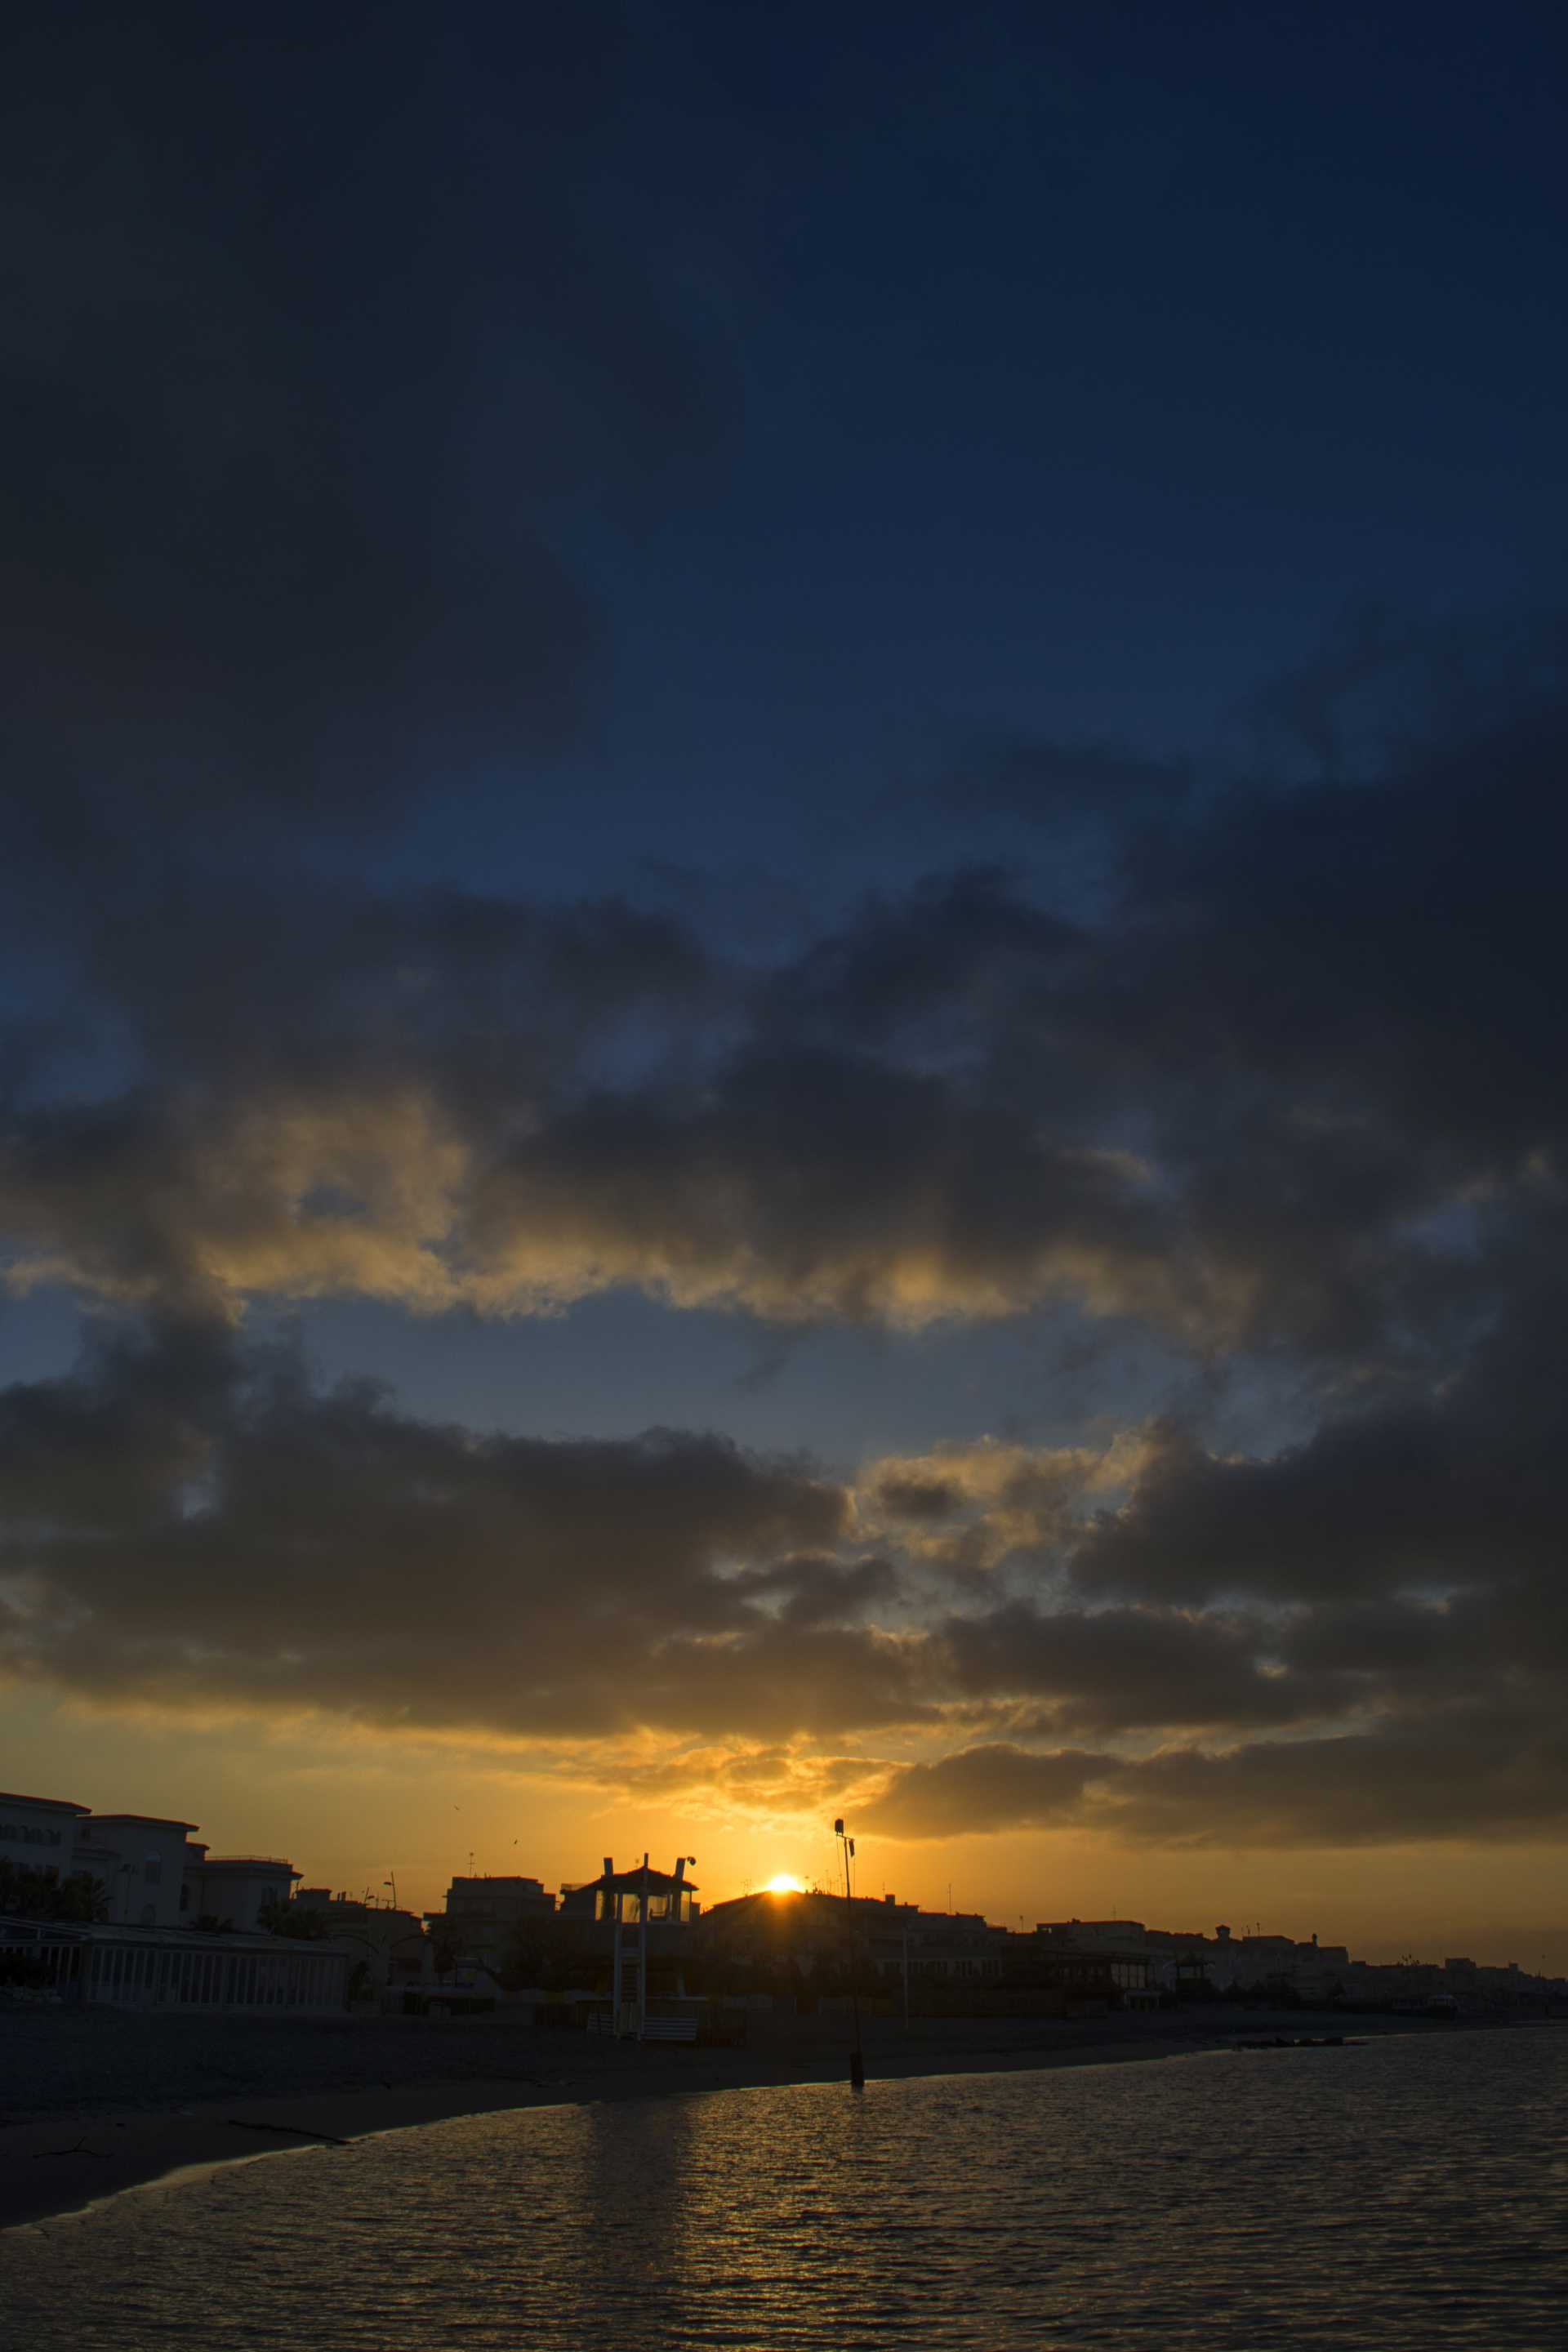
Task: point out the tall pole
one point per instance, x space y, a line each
642 1956
856 2061
617 1964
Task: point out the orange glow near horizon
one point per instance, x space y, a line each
782 1882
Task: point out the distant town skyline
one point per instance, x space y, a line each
1536 1944
780 951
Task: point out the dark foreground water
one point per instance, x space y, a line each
1410 2192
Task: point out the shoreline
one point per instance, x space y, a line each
56 2166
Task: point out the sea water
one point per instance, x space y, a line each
1410 2191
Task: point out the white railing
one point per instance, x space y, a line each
169 1971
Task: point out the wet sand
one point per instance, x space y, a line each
70 2152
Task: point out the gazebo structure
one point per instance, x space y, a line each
646 1914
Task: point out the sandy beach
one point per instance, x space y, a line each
97 2104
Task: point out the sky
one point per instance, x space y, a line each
780 958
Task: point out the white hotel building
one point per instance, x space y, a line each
156 1882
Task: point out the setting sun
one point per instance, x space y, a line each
782 1883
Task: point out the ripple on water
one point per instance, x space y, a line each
1411 2192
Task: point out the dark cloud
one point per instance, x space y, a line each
193 1523
817 1185
1292 1090
1119 1670
1490 1767
1463 1489
334 348
289 455
187 1521
1477 1770
454 1102
937 969
985 1789
812 1590
1477 1767
1286 1099
305 1118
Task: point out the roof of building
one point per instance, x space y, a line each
628 1880
515 1883
42 1804
144 1821
248 1862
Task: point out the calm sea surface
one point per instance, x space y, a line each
1413 2191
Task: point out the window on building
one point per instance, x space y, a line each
152 1870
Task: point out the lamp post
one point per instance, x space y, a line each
856 2062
